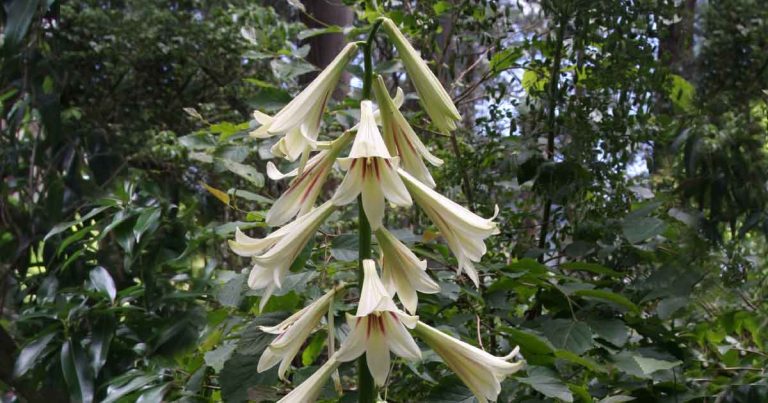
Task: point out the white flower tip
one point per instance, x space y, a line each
512 354
275 174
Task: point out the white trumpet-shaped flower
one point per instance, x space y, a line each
302 193
402 272
292 333
371 170
434 98
479 370
463 230
400 138
282 247
378 328
300 119
310 389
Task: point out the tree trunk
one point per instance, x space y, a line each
323 48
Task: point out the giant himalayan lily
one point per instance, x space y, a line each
302 193
480 371
300 119
402 272
400 138
463 230
378 328
434 98
310 389
282 247
371 170
292 333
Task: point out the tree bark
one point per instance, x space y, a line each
323 48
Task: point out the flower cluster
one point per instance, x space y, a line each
387 164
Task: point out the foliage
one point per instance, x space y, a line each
632 196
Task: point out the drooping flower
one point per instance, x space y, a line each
282 247
402 272
302 193
371 170
463 230
479 370
378 328
434 98
300 119
309 390
400 138
292 333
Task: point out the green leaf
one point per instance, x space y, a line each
345 248
450 390
313 349
31 353
681 92
154 394
612 330
253 341
246 172
534 82
441 7
505 59
128 384
77 372
651 365
239 378
61 227
638 229
530 343
19 16
576 359
216 358
309 33
102 281
609 296
545 381
230 293
590 267
567 334
101 338
147 219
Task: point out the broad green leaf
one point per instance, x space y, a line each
239 378
31 353
546 382
345 248
19 16
505 59
529 342
103 282
101 338
574 336
216 358
533 81
154 394
147 219
59 228
244 171
609 296
312 32
313 349
128 385
681 93
638 229
612 330
77 372
590 267
450 389
576 359
651 365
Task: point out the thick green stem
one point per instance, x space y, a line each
365 386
